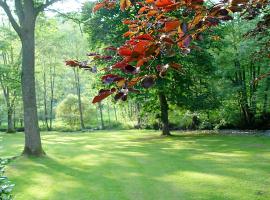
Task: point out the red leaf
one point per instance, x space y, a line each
176 66
144 37
163 3
125 4
124 51
120 65
142 9
103 94
134 81
98 6
141 46
171 25
128 34
72 63
110 78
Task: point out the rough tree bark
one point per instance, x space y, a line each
164 108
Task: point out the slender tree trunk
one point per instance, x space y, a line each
52 83
101 115
32 134
78 88
14 118
10 128
164 108
109 113
138 112
266 97
45 99
6 92
115 113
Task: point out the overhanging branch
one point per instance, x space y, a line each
15 25
47 3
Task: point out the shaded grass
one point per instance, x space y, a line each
136 165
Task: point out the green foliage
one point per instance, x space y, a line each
68 111
108 26
6 186
240 61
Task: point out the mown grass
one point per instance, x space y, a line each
140 165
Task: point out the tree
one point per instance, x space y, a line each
68 111
9 72
154 33
27 12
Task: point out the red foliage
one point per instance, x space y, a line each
154 31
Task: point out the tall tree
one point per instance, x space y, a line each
27 12
9 72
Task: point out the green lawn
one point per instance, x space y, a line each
141 166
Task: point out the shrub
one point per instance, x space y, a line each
5 185
68 111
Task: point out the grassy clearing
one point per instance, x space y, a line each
134 165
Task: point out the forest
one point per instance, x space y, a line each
147 99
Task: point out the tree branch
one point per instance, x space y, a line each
43 6
11 18
19 10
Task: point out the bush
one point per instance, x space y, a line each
68 111
5 185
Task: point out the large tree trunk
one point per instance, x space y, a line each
32 134
164 108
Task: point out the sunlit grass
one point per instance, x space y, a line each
140 165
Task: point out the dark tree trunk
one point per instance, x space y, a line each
10 128
164 108
32 134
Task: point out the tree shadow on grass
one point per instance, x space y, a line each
179 167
